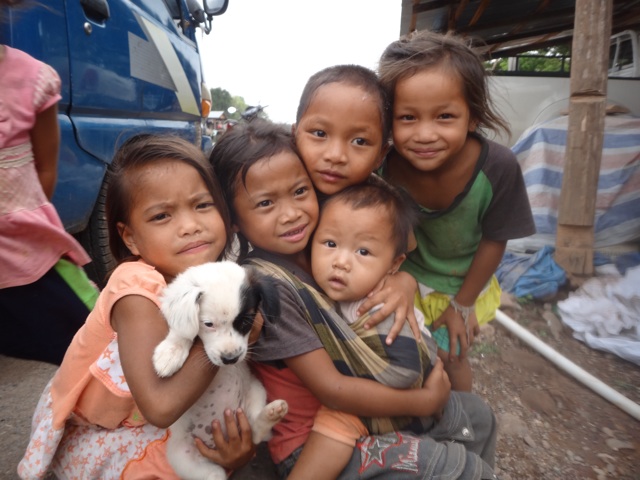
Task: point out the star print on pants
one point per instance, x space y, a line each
373 449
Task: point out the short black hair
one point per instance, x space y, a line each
354 75
377 193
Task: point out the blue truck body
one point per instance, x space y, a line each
127 66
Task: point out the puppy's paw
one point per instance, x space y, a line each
169 356
276 410
267 418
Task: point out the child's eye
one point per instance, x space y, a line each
359 141
446 116
265 203
319 133
159 217
363 251
301 191
406 118
205 205
330 243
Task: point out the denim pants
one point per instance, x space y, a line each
460 446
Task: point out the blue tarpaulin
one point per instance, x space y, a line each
530 275
540 152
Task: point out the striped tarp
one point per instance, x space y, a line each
540 152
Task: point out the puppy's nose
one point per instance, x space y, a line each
230 360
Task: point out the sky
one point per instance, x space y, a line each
265 50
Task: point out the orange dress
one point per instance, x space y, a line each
86 424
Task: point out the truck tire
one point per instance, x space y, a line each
95 239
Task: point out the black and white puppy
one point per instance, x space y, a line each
218 302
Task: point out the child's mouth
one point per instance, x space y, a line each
295 235
330 177
337 282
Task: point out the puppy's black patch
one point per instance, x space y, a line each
258 292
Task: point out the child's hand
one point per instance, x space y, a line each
473 327
396 293
438 384
237 449
457 332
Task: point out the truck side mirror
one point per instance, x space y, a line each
211 9
215 7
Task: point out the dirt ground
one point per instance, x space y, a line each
550 425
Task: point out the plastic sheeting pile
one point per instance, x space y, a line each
605 314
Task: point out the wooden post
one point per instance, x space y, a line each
589 69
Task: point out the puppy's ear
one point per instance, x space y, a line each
267 293
181 307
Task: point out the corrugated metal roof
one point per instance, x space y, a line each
508 26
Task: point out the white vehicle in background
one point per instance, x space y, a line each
528 98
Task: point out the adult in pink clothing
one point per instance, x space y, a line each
44 294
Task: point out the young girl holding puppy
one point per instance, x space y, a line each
105 413
274 211
470 189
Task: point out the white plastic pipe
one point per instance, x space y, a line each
568 366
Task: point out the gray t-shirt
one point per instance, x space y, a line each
290 334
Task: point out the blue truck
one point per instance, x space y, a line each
127 66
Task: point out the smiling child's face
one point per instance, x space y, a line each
339 136
431 120
276 208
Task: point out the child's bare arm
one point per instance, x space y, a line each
397 293
360 396
45 141
484 264
322 458
141 327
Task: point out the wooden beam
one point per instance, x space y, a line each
589 64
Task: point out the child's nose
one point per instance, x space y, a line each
335 152
341 262
190 225
290 212
427 131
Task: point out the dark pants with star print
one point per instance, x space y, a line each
460 446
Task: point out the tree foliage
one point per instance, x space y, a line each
556 59
221 100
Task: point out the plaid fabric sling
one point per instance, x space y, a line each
358 352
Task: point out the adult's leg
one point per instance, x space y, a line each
38 320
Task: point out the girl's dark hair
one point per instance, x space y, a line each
142 151
377 193
424 49
238 149
354 75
